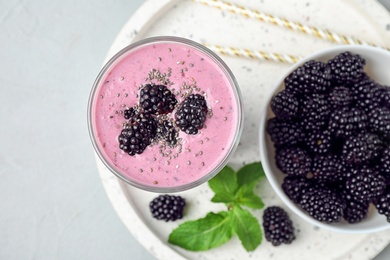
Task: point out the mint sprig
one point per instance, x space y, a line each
235 189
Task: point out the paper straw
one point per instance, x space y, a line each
295 26
253 54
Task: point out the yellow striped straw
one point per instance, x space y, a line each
253 54
295 26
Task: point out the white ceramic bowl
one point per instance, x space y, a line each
378 68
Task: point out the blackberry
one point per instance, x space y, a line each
278 227
379 121
167 132
129 113
323 205
315 111
293 161
328 168
137 134
319 142
341 96
191 114
346 68
366 94
382 204
157 99
312 76
365 185
313 121
295 186
167 207
315 102
284 131
355 211
361 149
346 122
284 104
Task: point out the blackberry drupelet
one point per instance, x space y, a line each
382 204
192 113
278 227
361 149
137 134
284 131
365 184
346 68
166 132
312 76
295 186
167 207
341 96
293 161
347 122
318 142
323 205
379 121
328 168
285 104
157 99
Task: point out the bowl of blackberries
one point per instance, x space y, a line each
325 139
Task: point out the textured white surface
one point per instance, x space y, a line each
53 205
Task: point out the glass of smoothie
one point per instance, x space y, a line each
165 114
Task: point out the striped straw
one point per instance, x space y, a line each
295 26
253 54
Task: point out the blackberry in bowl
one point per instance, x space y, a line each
334 110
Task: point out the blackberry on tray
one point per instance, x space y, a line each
167 207
278 227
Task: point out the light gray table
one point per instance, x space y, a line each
53 205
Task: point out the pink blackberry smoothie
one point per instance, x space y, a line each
185 68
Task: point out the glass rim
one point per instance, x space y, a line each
221 64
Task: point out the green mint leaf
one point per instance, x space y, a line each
246 197
223 197
247 227
250 174
225 182
209 232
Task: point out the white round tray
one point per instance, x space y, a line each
364 19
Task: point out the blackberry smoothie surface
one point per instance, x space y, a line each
185 69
